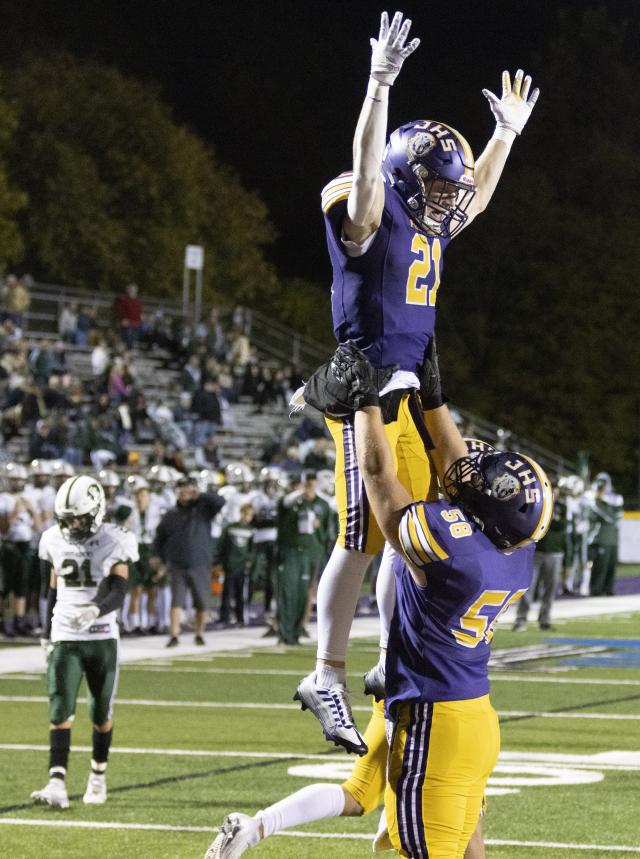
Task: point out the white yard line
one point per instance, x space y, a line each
188 753
352 836
500 677
252 705
621 761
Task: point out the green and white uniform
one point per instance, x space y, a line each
80 568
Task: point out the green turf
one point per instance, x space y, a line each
196 791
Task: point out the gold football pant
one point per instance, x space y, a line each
358 528
440 758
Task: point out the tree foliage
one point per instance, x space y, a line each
118 188
539 314
11 200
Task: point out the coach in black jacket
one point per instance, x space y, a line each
183 544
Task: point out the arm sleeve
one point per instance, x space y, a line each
45 577
160 539
51 601
111 594
213 502
416 538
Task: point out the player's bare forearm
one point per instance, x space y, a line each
387 496
448 442
488 170
368 150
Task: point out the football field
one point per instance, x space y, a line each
197 736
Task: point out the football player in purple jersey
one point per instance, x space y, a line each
460 563
388 223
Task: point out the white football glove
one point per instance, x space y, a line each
47 647
388 51
84 618
514 108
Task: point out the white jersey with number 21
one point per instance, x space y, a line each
80 568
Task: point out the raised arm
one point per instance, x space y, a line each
366 199
511 112
387 496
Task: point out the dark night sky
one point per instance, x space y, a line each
276 86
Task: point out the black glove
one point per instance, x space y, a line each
431 395
338 389
363 381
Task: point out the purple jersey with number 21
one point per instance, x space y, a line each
384 300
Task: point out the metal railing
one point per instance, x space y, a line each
277 342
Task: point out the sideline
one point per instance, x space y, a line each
30 658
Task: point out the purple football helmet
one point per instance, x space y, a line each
507 493
430 165
476 446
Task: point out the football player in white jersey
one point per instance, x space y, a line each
87 562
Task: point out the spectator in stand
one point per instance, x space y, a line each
87 325
96 443
241 319
76 398
29 395
191 378
175 459
183 544
281 389
183 416
321 455
54 397
206 406
100 357
239 352
211 369
291 461
142 425
119 381
16 299
68 322
606 513
41 361
215 339
166 427
10 333
128 312
253 383
41 446
227 384
208 456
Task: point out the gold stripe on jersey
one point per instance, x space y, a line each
410 542
338 189
417 540
437 551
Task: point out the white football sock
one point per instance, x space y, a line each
311 803
336 601
386 594
328 675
